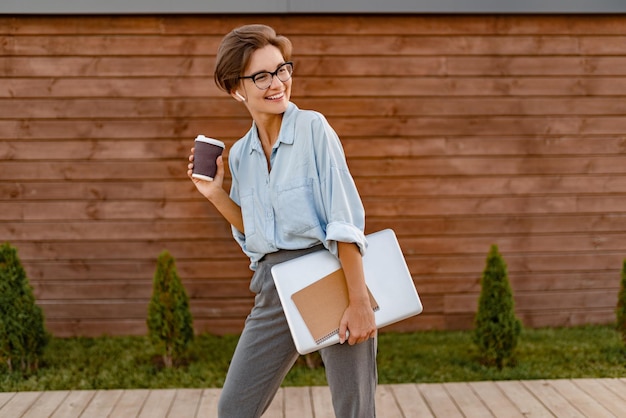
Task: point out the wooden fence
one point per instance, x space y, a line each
461 132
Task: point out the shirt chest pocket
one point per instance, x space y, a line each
295 211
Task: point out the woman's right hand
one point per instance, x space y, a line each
216 194
208 188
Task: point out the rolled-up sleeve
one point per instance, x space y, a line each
340 198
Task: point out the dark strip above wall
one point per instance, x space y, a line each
308 6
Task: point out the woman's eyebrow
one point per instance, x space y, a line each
269 71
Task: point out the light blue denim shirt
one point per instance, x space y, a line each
307 198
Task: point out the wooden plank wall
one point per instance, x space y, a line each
461 131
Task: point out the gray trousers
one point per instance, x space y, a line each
265 353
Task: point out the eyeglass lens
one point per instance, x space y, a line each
264 80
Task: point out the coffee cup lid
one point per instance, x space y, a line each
213 141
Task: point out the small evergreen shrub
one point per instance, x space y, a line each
497 329
170 324
23 335
621 305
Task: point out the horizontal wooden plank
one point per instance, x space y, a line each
544 145
508 185
137 173
477 86
486 44
107 45
517 244
137 289
130 270
42 66
121 129
538 301
498 165
493 186
100 210
556 281
91 328
575 300
399 66
495 205
219 249
320 44
96 328
424 321
470 282
463 106
154 87
541 66
128 309
40 129
95 150
338 25
477 125
426 264
328 66
171 188
215 236
130 108
441 206
306 87
568 318
517 263
524 285
503 225
150 108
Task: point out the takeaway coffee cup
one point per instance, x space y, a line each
205 155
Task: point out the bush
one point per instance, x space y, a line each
621 305
497 329
170 324
23 336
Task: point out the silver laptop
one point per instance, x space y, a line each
386 275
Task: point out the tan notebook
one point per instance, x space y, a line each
323 303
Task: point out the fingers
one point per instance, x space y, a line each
343 330
219 174
352 340
190 165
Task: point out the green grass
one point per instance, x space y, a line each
433 356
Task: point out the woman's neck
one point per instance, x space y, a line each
268 129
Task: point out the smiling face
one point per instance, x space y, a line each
274 100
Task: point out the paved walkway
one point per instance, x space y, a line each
507 399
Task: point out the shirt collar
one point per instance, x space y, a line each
287 130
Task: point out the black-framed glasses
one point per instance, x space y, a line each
263 79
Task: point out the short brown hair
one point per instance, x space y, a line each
233 54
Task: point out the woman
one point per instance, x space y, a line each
291 194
